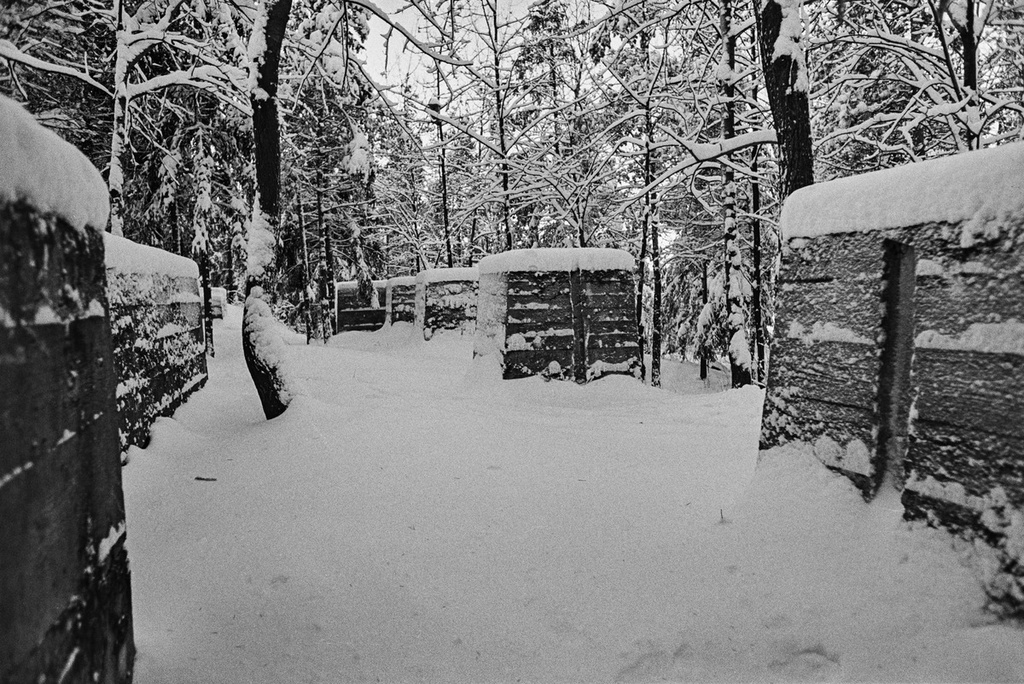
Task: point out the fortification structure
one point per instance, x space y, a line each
562 313
65 593
401 300
899 351
445 300
156 316
359 312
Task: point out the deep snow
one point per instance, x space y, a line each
410 517
48 172
982 189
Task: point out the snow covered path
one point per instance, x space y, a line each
412 519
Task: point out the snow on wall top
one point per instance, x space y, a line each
444 275
975 187
402 280
558 259
130 257
41 168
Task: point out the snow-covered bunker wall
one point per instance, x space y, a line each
566 313
401 300
65 591
156 317
446 300
359 313
900 341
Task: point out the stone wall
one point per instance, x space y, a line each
156 315
401 300
65 592
899 352
446 300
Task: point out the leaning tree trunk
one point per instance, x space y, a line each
785 75
260 345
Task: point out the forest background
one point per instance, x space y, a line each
673 129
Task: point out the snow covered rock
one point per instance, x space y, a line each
565 313
64 581
156 317
900 356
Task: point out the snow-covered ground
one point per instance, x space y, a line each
411 518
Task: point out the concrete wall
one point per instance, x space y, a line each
446 300
567 324
347 295
352 313
401 300
899 350
156 312
825 359
65 592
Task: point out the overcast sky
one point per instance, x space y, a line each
401 58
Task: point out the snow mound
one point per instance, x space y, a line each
48 172
976 187
131 257
402 280
558 259
445 275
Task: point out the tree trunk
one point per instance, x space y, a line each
306 304
204 275
468 257
969 46
172 218
655 305
228 272
758 368
499 114
327 294
704 302
115 174
739 354
641 338
787 96
265 369
444 198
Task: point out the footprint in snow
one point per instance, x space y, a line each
813 663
